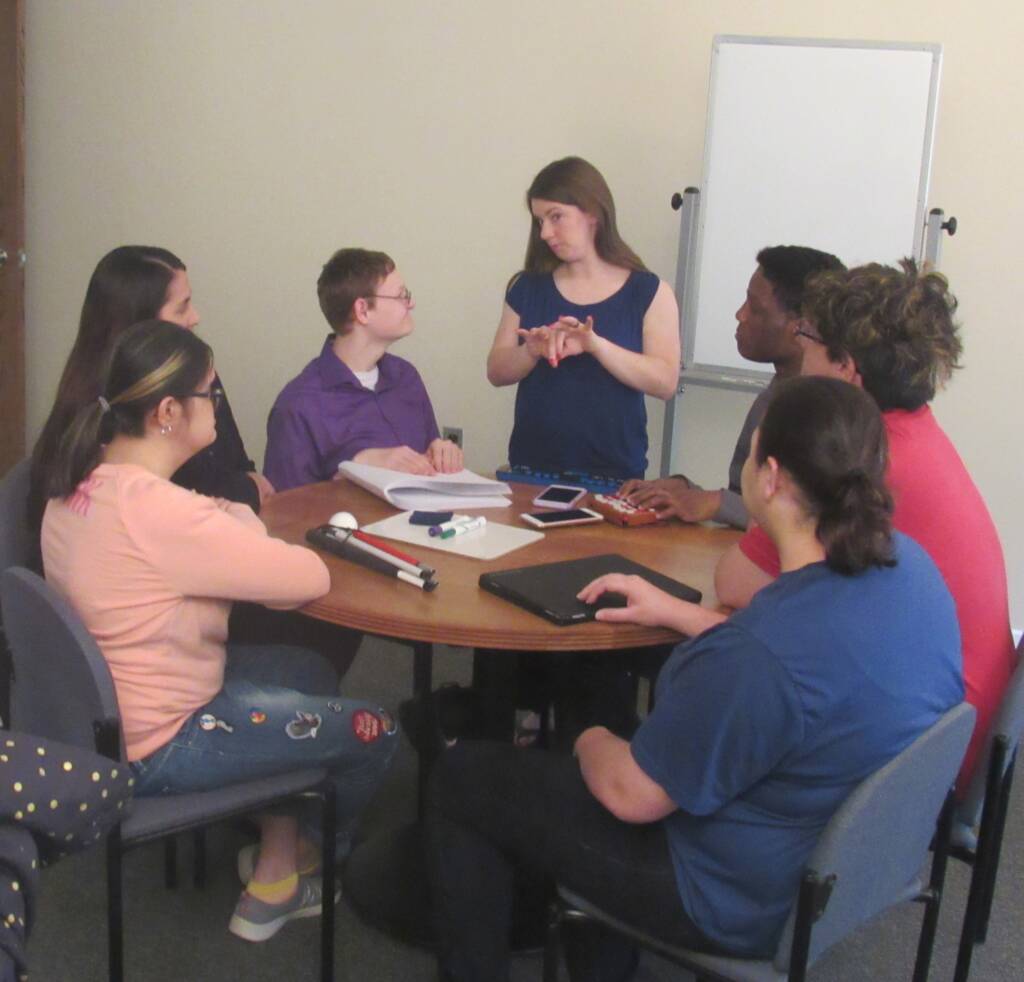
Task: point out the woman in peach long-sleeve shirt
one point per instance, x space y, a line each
152 569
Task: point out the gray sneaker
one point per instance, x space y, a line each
256 920
248 857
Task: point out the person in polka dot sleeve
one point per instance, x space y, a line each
55 799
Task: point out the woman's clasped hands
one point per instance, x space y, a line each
564 338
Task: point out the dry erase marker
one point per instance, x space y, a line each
456 521
471 526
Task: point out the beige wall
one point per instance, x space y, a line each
254 138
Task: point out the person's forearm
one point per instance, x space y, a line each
646 373
601 755
506 366
691 619
615 779
731 510
737 578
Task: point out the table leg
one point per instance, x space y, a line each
422 668
385 877
422 682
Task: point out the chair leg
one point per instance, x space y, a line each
327 866
933 896
115 928
972 917
992 860
986 861
553 941
811 902
171 862
199 859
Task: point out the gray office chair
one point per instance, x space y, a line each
16 546
63 691
979 821
16 549
868 858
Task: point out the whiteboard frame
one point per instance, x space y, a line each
752 379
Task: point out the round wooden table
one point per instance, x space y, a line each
385 877
458 612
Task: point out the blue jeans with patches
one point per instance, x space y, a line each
278 710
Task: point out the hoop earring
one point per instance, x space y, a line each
165 429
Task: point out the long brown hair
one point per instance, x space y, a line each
574 181
148 362
128 285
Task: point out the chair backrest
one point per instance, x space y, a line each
1009 723
877 842
16 546
62 685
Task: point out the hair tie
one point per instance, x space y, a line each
104 405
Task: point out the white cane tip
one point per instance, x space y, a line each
343 520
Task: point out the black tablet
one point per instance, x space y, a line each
550 589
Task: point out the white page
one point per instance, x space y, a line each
464 489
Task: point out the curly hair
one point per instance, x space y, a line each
895 324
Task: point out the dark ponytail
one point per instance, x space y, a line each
148 362
829 437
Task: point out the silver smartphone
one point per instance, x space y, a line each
560 496
556 519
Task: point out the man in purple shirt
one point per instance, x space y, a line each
355 401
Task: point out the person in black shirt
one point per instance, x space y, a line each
132 284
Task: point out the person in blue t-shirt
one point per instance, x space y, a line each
586 331
697 829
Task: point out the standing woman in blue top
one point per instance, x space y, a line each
587 331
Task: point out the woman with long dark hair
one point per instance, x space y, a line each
152 570
586 331
131 284
697 829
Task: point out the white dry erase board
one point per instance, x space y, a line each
490 542
809 142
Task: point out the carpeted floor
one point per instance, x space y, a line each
182 935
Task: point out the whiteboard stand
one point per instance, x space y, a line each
934 226
687 204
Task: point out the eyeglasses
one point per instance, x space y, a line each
405 296
216 397
801 333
